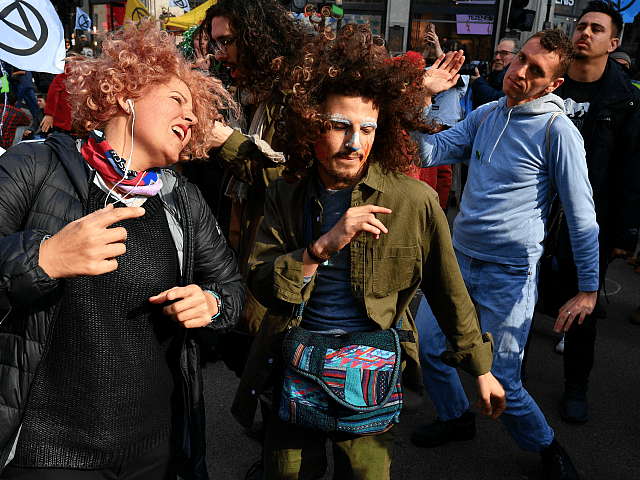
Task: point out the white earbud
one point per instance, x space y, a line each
128 162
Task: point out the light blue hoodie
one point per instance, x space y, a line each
511 183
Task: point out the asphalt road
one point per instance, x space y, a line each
605 447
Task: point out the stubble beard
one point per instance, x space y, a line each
580 56
346 180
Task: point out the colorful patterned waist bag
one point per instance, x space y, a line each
347 383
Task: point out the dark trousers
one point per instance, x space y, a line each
158 464
580 340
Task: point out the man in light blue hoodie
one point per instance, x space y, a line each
522 150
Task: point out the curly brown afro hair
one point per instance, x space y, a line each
268 38
352 63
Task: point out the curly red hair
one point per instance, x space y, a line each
352 64
133 59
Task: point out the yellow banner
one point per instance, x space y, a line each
136 10
188 19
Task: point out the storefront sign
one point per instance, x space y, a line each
475 24
569 3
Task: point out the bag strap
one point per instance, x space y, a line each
548 134
555 216
487 114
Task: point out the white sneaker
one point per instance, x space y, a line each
560 346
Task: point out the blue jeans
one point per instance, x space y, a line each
30 97
505 296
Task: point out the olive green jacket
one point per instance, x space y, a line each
250 160
385 274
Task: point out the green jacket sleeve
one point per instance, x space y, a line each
275 265
251 162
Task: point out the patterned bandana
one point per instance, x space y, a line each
99 154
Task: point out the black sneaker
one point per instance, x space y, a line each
439 432
574 404
558 465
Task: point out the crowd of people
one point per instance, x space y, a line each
250 192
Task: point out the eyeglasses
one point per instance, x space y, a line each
503 53
216 46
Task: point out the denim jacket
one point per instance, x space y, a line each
385 274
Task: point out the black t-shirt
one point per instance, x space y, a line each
577 98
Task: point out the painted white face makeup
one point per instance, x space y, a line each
354 142
344 149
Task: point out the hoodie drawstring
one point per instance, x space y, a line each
500 136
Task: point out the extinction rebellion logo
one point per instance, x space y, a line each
9 29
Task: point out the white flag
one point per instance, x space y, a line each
83 22
31 35
183 4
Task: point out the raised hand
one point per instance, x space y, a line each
87 246
432 39
444 73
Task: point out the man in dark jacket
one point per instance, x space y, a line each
485 91
603 104
248 37
255 39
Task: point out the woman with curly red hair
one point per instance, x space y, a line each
110 265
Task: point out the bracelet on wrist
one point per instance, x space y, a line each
218 303
315 255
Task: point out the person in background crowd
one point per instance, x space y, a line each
12 118
605 106
57 112
254 39
622 58
34 130
485 91
446 111
43 81
100 373
21 82
344 137
498 239
195 45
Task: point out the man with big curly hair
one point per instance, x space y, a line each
347 239
256 39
